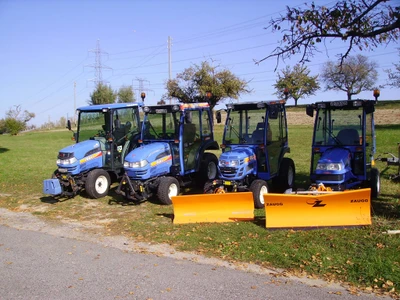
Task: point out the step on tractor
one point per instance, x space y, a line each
342 173
255 141
105 134
174 153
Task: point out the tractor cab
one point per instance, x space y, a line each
255 141
173 153
105 134
343 145
114 126
259 128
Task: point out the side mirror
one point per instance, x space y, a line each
218 117
69 125
310 110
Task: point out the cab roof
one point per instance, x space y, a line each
108 106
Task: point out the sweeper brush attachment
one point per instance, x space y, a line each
318 209
228 207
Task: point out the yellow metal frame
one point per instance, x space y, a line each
228 207
318 209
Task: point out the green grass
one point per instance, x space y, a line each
363 256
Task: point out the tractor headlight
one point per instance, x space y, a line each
68 161
136 164
329 166
228 163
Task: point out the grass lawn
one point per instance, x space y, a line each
364 257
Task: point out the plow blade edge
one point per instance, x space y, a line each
348 208
229 207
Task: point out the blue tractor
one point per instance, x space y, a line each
174 152
343 145
254 145
105 134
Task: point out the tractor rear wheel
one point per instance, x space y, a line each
375 183
168 187
208 169
259 187
97 183
286 176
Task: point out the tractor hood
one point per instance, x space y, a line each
80 157
148 161
240 154
237 163
80 150
336 155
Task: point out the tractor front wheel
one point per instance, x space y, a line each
97 183
168 187
259 187
375 183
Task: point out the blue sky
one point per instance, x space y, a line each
47 46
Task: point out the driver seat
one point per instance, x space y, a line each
349 136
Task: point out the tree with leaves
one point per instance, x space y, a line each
354 75
102 94
16 120
297 82
161 102
361 24
394 75
195 82
126 95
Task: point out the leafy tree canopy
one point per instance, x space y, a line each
126 95
193 83
297 82
394 75
102 94
361 24
354 75
16 120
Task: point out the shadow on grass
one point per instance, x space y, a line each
3 150
386 209
388 126
53 200
121 200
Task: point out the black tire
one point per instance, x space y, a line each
54 176
208 188
97 183
375 183
259 187
286 177
208 168
168 187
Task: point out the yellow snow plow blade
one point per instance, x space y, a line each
228 207
318 209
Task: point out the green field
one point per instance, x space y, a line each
363 257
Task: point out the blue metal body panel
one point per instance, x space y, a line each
88 155
52 187
159 158
100 107
245 156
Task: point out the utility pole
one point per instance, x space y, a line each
98 66
169 63
74 103
141 86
